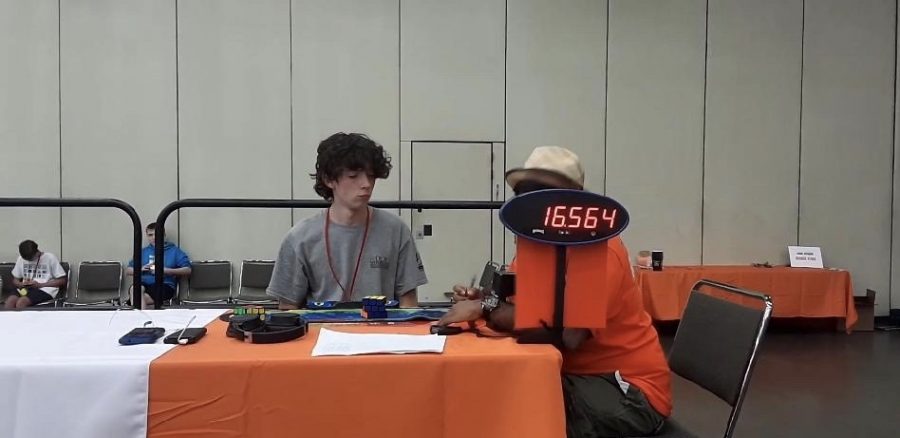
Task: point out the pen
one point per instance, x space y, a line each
471 285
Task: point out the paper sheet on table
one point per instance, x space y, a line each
332 343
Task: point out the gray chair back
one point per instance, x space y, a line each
255 276
6 277
717 343
63 291
210 282
98 282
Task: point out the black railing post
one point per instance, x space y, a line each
93 202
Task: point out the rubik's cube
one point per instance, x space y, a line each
374 307
250 310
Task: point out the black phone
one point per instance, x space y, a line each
192 335
144 335
445 330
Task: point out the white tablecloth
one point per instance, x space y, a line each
63 373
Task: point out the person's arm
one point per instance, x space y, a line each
463 293
129 270
289 284
467 307
18 283
54 282
56 271
503 318
178 272
409 299
410 272
287 305
182 266
18 273
469 310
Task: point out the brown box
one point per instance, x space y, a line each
865 311
865 308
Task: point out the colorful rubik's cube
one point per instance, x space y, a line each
374 307
250 310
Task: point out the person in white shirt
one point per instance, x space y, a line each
37 277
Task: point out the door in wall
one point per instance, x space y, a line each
454 244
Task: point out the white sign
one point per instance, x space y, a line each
805 256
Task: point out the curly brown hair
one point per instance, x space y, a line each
353 152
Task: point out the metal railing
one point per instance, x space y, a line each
91 203
297 203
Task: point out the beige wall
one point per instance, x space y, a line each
729 128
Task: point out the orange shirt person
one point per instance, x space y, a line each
616 381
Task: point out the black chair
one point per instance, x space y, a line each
716 344
255 276
98 283
7 280
60 297
180 285
210 282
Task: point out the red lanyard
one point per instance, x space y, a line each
345 296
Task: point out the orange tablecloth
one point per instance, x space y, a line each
795 292
221 387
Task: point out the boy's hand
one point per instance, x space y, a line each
463 293
469 310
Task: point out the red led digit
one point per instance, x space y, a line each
573 214
590 218
611 218
563 216
559 219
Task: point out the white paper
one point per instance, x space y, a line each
805 256
69 365
332 343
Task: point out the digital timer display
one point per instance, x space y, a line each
579 217
564 217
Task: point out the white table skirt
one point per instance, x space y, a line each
63 373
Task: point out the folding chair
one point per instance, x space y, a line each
99 282
7 279
255 276
716 344
210 282
60 297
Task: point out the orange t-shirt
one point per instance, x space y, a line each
628 343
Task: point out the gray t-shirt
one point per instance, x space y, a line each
390 264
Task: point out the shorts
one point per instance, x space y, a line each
599 406
35 295
160 294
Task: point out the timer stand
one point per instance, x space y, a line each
552 221
552 333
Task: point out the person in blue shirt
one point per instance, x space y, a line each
176 263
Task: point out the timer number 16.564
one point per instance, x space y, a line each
574 217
